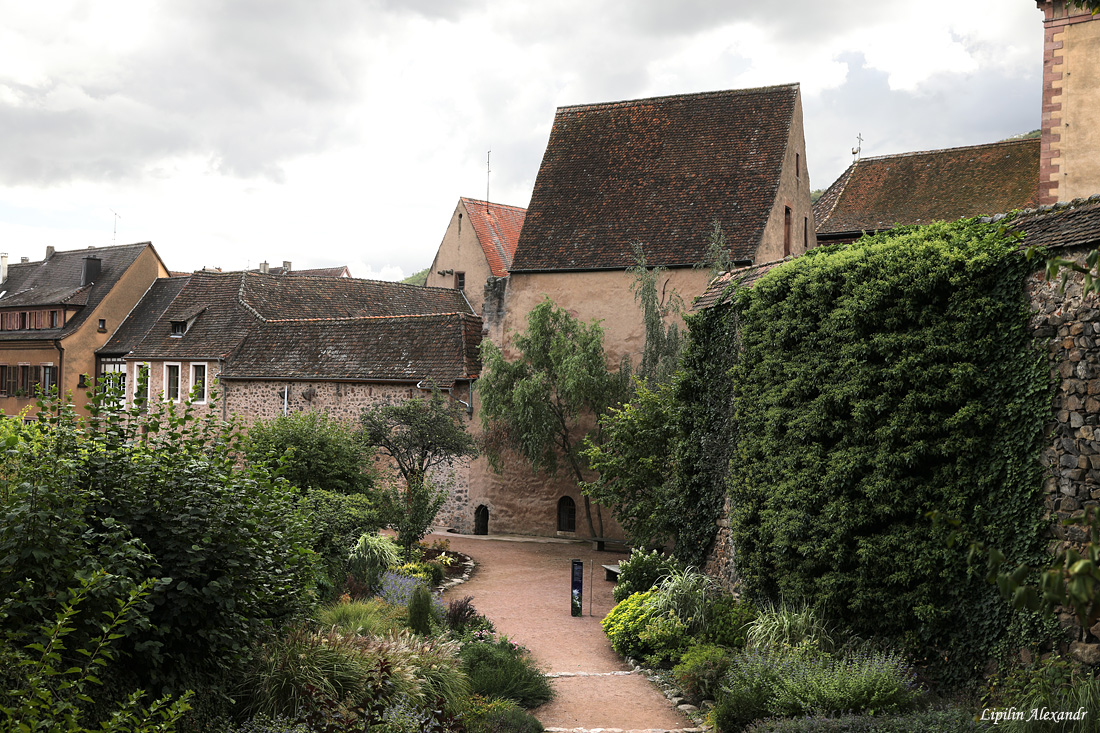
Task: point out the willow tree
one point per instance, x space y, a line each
548 400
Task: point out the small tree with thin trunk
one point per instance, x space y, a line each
539 404
419 435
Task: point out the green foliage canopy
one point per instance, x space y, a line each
877 382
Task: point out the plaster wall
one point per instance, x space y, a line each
793 192
460 251
1080 152
35 354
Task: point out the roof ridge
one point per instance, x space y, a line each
367 318
468 200
689 95
914 153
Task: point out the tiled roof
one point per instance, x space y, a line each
341 271
144 315
497 227
719 289
398 348
252 319
936 185
55 281
1066 224
660 172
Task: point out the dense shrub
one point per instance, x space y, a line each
640 572
500 668
370 557
1056 684
398 589
727 619
313 451
878 381
687 593
953 720
666 637
154 494
420 610
495 715
337 521
801 681
787 626
701 669
373 617
625 623
462 618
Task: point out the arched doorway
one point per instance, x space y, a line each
567 514
481 520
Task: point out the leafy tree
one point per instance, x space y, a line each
635 461
661 352
418 435
543 403
152 494
314 451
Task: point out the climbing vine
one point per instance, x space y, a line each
877 382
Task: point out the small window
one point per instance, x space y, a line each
567 514
460 281
54 319
103 325
172 382
141 383
23 321
786 231
3 379
49 378
178 329
798 166
805 232
198 382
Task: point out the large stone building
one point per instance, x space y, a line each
55 313
659 173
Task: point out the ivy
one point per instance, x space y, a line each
877 382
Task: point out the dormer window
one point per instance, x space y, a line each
178 329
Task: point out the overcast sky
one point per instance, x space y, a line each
332 132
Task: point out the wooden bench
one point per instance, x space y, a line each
611 572
600 543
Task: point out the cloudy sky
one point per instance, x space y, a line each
229 132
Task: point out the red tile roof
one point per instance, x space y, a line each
497 227
719 289
935 185
660 172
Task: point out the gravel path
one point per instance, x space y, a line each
522 585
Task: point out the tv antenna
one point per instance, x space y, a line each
488 170
114 233
859 145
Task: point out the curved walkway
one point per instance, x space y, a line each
522 585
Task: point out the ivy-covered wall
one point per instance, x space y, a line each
877 382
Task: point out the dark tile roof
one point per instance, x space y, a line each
436 348
250 319
1065 224
935 185
719 289
497 227
341 271
144 315
55 281
660 172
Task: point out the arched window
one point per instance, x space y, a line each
567 514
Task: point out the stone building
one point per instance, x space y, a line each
661 173
55 313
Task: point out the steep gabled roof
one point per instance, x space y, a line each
660 172
935 185
55 281
435 348
497 227
145 314
1066 224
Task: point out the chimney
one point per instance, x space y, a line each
91 270
49 251
286 266
3 267
24 260
264 267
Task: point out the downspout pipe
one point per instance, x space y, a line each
450 390
60 366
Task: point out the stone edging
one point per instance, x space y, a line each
468 566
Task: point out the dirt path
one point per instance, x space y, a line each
522 585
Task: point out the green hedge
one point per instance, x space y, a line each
877 382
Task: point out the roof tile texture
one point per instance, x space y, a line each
660 172
497 227
936 185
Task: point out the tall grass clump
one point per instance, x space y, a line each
371 556
785 626
370 617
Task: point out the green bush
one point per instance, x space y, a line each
337 522
784 626
701 669
687 593
1055 683
420 611
727 619
369 617
953 720
802 681
640 572
625 623
496 715
313 451
501 668
370 557
430 572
